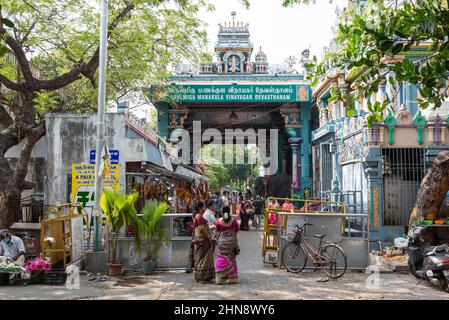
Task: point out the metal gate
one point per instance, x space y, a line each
403 170
326 167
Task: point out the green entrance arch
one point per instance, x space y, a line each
237 93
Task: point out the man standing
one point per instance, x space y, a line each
11 248
209 214
225 199
218 204
234 202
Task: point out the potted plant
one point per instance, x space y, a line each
120 212
36 269
150 229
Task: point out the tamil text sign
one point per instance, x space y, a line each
239 93
83 183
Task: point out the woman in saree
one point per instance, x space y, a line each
227 249
197 210
204 250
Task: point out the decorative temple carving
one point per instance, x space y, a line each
291 119
176 118
420 122
436 126
390 122
404 117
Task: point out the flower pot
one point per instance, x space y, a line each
114 269
36 277
149 266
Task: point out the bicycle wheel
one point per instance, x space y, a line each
294 257
336 265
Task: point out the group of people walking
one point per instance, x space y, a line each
215 246
242 206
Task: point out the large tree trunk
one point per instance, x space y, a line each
12 181
433 190
9 205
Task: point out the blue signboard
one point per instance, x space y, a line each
114 156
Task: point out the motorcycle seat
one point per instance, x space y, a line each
435 249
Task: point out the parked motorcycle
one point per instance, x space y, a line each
428 252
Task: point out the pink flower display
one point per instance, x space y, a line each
38 264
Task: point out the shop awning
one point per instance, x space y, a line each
180 169
166 162
167 173
154 155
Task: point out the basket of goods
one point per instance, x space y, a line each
147 189
10 268
162 192
153 193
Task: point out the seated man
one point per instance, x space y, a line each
11 248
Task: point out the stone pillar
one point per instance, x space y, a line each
284 151
295 144
373 172
335 166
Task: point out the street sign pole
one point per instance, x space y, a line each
100 122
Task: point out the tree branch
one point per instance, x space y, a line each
25 154
82 68
19 54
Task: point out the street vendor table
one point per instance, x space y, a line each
5 275
4 279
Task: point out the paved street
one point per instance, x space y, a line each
256 281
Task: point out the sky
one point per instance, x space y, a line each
280 31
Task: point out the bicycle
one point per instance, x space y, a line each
329 256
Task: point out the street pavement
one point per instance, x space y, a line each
256 281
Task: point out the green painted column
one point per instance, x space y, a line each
306 149
162 119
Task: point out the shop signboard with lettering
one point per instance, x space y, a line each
83 183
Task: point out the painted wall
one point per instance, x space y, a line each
70 137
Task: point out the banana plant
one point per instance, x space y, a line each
150 229
120 212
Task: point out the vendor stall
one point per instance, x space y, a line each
181 189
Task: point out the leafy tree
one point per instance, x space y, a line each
144 37
373 39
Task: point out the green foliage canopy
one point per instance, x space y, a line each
376 39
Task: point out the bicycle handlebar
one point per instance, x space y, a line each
302 225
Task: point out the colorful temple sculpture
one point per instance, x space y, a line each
376 170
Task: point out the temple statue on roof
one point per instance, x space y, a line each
233 51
